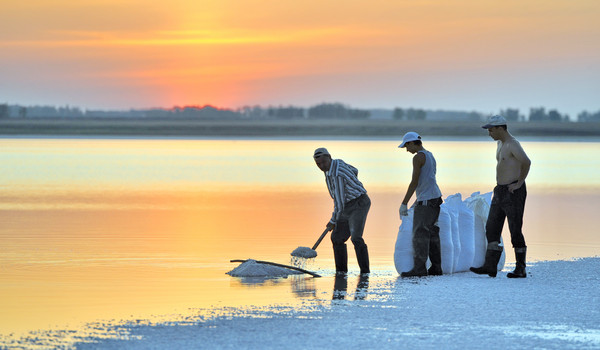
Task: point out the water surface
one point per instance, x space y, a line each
97 229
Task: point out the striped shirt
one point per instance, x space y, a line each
343 185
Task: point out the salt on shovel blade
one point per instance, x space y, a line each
304 252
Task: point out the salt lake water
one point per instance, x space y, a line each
121 229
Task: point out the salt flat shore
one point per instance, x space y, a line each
556 307
276 128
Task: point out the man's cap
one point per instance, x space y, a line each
321 151
408 137
495 120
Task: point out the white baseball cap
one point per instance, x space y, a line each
495 120
408 137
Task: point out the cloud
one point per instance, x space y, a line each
73 38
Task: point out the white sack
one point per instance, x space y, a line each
480 205
452 204
466 224
462 235
403 253
446 246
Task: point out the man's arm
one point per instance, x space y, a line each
418 162
520 155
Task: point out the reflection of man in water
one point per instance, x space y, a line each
508 200
340 287
351 206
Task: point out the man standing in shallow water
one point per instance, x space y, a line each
351 206
508 200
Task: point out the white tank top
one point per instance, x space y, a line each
427 187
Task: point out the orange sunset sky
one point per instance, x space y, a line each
479 55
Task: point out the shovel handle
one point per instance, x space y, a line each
320 238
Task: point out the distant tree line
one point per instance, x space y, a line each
320 111
336 111
539 114
588 117
409 114
7 111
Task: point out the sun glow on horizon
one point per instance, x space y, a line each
229 53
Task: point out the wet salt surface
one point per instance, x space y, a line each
556 307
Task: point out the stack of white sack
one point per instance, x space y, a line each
462 235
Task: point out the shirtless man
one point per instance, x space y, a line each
508 200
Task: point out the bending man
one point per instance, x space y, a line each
351 206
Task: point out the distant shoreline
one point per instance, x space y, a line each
279 128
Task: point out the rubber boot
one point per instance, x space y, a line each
419 269
492 256
421 272
435 270
435 256
420 252
340 254
519 272
362 256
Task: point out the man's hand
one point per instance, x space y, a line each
403 211
330 226
515 186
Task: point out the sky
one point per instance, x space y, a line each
472 55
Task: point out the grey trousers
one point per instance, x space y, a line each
352 222
351 225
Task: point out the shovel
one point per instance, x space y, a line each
306 252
